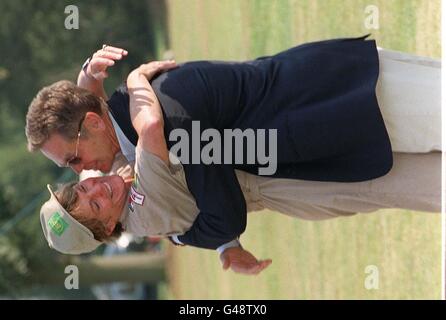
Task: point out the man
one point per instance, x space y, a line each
103 142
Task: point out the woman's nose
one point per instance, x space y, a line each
97 189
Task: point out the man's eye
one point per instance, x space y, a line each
96 205
75 161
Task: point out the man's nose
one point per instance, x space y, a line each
77 168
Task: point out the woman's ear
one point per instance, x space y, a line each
94 121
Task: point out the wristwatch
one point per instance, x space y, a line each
86 63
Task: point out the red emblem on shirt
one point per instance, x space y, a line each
136 197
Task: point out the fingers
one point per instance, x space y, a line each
102 59
226 264
116 50
263 265
97 62
97 68
267 262
167 65
162 64
259 267
251 269
154 67
108 55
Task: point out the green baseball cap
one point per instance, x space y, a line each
64 233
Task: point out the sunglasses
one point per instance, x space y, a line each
75 159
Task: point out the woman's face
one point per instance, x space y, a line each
103 199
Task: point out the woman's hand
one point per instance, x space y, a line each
242 261
149 70
102 59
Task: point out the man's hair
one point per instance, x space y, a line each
59 108
68 198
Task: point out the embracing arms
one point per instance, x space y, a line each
146 112
147 118
215 197
215 187
145 109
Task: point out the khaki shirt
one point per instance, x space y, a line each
160 203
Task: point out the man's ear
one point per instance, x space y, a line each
93 121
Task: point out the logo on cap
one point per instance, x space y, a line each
57 224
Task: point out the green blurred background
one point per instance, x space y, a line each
311 260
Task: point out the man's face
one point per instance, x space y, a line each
94 151
101 198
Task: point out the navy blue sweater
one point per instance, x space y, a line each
319 96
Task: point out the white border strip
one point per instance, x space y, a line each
443 131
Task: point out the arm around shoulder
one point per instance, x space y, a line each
151 139
146 115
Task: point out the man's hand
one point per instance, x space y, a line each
150 69
102 59
92 78
242 261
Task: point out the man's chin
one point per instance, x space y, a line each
104 168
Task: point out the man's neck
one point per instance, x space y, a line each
111 134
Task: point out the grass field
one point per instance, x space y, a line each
311 260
